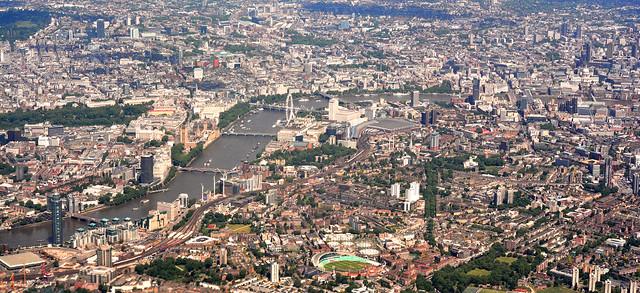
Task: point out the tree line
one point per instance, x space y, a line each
74 115
309 157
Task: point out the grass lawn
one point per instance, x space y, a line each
506 259
492 170
345 266
557 290
239 228
491 291
478 273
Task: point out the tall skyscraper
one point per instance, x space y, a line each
608 172
592 282
476 89
72 204
635 183
271 197
180 57
610 50
433 117
564 29
607 286
275 272
511 194
308 68
413 193
406 206
14 135
434 141
134 33
183 198
499 196
104 256
424 118
333 108
415 98
587 54
204 29
55 206
222 256
101 28
578 33
395 190
575 277
573 105
146 169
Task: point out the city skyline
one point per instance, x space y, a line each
320 146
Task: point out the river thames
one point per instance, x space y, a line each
225 153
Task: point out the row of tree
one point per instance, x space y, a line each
128 194
231 115
319 156
74 115
186 270
500 273
181 158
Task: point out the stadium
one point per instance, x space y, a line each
345 264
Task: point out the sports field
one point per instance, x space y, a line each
491 291
239 228
330 261
478 273
481 290
557 290
506 259
346 266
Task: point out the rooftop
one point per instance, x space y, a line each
16 261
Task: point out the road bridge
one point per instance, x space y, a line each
283 108
256 134
206 170
82 217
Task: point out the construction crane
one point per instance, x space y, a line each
43 270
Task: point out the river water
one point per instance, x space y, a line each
225 153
